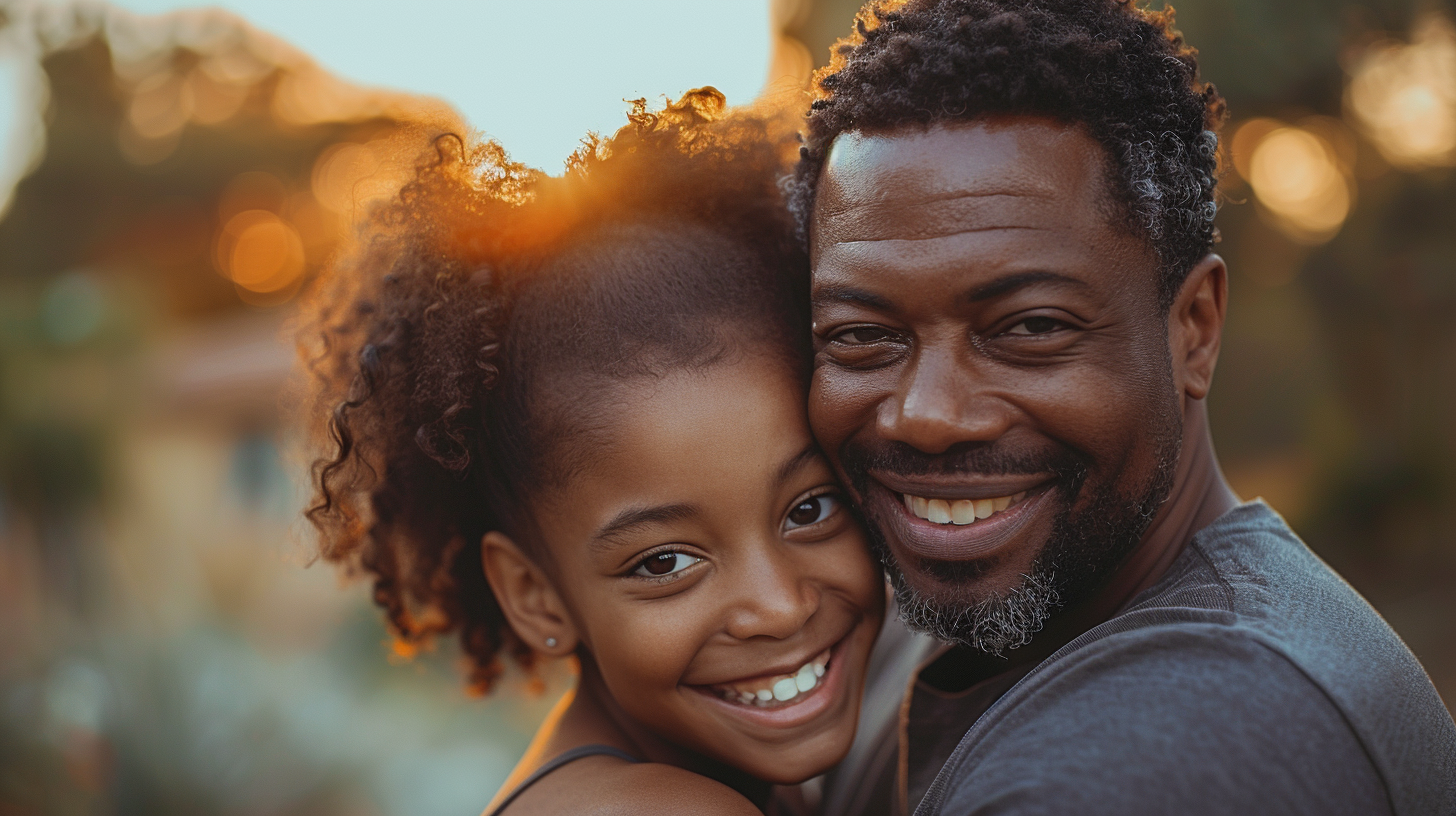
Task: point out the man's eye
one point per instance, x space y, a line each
664 563
1036 325
812 511
861 335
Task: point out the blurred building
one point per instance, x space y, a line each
162 647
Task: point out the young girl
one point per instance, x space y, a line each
565 417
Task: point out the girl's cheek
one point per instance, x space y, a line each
864 580
657 644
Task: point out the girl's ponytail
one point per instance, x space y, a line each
401 347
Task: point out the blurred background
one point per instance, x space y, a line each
171 178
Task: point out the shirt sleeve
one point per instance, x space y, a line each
1201 720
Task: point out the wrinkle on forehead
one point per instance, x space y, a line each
955 178
926 219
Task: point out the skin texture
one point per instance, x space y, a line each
978 304
716 474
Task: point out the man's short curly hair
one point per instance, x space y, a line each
463 354
1120 71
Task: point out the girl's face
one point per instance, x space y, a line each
724 592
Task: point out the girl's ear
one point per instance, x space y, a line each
529 600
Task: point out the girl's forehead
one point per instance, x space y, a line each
714 439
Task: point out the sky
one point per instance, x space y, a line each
534 74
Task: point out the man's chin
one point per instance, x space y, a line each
956 582
992 612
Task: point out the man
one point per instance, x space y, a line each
1010 206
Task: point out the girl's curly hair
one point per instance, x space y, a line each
456 354
1119 70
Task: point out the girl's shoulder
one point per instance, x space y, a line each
655 788
608 786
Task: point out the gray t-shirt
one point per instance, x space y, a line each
1249 679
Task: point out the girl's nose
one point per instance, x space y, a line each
772 597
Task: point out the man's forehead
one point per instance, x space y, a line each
960 177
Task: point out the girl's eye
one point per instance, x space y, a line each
1036 325
812 511
664 563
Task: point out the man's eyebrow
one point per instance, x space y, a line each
1010 283
838 293
794 463
638 517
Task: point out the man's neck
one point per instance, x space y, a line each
1199 496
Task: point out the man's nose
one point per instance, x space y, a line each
774 597
941 401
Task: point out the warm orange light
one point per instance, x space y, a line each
1404 96
160 105
262 252
214 101
348 177
1247 137
1302 180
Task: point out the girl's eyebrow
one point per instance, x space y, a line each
666 513
795 462
640 516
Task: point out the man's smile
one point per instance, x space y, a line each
958 519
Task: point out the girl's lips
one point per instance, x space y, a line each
797 711
953 542
776 688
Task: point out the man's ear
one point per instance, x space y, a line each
527 596
1195 326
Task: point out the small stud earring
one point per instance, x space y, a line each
551 643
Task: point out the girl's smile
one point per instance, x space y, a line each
720 591
779 701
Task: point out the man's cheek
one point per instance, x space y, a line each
839 405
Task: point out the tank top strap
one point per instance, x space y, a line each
579 752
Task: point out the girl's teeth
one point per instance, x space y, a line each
960 511
783 688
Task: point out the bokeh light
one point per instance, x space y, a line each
349 176
1403 96
260 252
1303 180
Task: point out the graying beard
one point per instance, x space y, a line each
992 625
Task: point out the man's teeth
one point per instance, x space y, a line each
775 691
960 511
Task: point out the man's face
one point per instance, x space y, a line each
992 374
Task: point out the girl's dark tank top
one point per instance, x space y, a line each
573 755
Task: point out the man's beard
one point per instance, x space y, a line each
1084 549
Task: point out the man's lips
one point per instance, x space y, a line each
961 486
957 519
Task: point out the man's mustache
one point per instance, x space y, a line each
989 459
